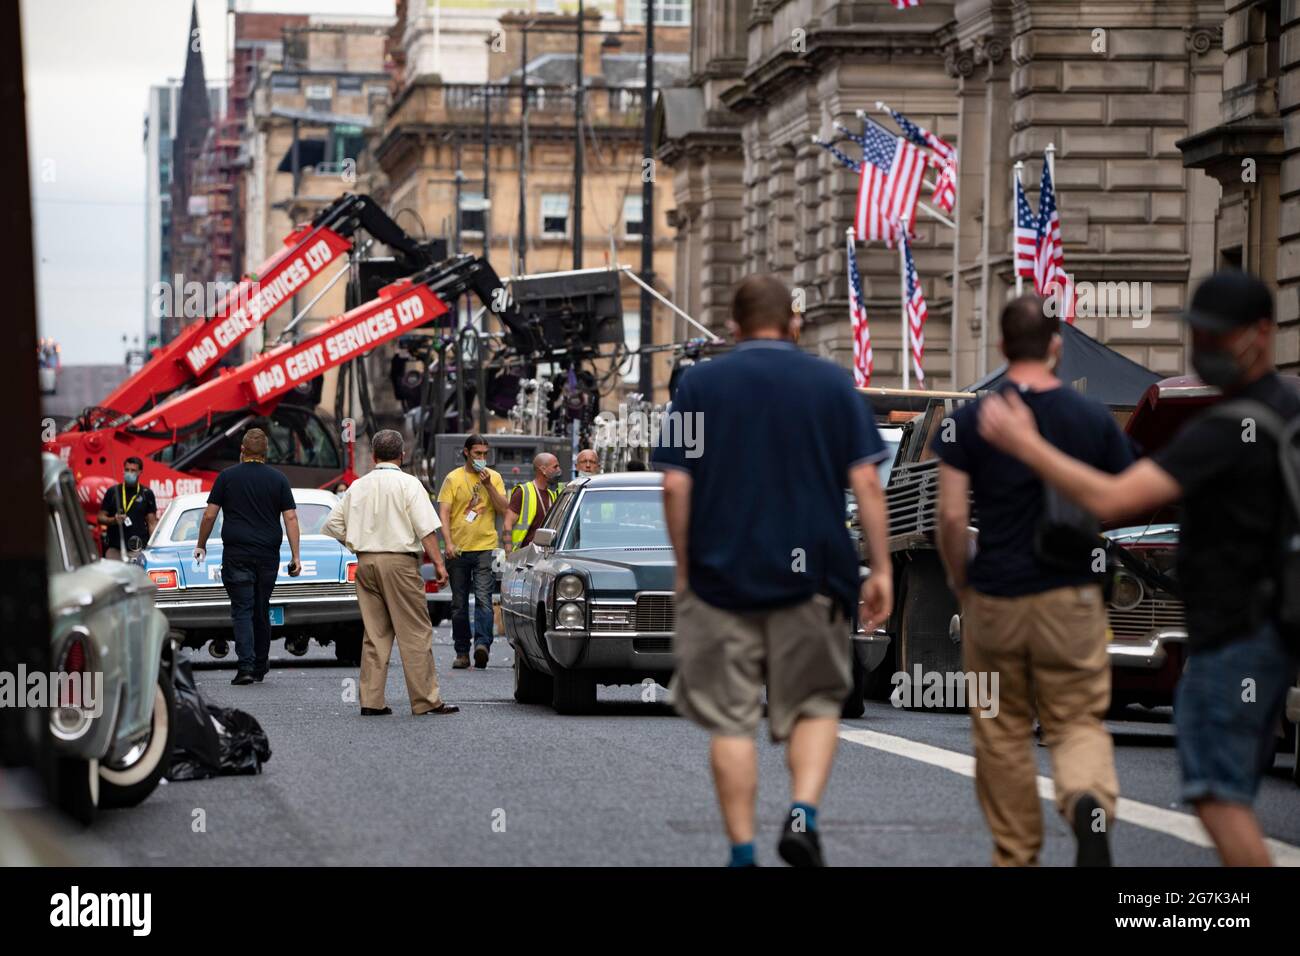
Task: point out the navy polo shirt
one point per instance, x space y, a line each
768 435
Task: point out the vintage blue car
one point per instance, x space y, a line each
590 600
319 603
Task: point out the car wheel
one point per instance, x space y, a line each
855 704
437 613
76 788
347 649
127 783
531 687
573 692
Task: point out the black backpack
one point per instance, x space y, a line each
1281 592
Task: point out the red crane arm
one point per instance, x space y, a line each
306 253
260 383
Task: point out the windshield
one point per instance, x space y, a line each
619 518
311 518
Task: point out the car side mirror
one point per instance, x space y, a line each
544 538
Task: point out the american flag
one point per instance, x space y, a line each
1050 277
945 159
863 361
1026 234
917 312
904 4
891 178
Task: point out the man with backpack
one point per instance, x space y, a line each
1230 468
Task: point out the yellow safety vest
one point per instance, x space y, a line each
520 530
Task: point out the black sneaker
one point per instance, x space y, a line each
481 656
243 677
1094 844
800 847
259 676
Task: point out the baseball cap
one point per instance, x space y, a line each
1228 300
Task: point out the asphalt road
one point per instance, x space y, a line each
502 784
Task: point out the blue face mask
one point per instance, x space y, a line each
479 465
131 477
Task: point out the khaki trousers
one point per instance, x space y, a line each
1049 652
390 591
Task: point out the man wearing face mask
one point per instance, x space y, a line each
128 510
531 501
1231 488
469 502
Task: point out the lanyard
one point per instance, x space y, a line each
126 505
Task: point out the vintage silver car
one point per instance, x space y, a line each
111 747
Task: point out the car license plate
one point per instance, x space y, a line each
277 616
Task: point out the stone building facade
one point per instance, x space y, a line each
1175 126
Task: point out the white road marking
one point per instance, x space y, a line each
1182 826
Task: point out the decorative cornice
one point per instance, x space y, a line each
1203 38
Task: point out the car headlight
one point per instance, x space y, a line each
570 616
569 587
1126 592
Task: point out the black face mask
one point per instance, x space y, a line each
1221 368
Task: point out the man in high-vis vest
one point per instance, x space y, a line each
531 502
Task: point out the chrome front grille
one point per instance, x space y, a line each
1151 614
654 612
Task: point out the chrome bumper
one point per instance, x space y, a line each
869 650
1148 655
215 612
612 650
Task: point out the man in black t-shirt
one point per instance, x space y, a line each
1039 625
128 511
1227 476
255 498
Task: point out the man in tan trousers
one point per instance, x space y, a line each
1032 611
387 519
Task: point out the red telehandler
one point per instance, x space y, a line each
181 413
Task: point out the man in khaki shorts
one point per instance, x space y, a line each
767 577
387 519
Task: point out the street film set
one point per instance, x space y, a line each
642 438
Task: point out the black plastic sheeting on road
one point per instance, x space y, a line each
1111 378
211 741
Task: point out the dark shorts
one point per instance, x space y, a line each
1226 710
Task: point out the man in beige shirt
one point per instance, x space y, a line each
387 519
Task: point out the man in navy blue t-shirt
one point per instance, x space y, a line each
1034 619
254 498
758 449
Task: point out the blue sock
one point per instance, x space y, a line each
742 854
809 814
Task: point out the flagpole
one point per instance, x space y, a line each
1016 186
956 284
902 280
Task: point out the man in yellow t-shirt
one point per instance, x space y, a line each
469 502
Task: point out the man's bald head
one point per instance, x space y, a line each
546 465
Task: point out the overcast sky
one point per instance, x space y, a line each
89 65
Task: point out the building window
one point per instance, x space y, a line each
670 13
631 368
555 215
632 220
349 84
284 81
319 96
473 213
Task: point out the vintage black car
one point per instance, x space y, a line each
590 600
